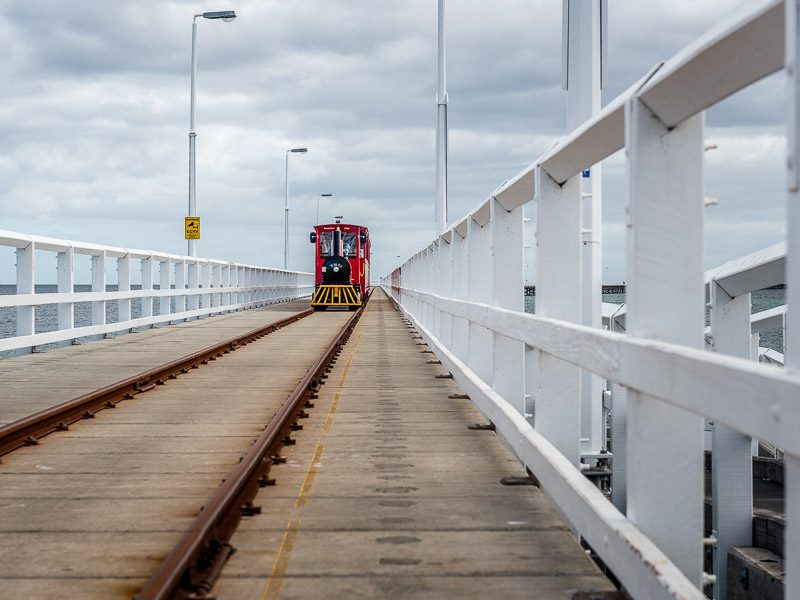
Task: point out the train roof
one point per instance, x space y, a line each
340 225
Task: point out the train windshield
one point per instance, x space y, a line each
325 243
349 245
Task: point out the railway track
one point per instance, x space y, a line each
157 456
29 430
197 559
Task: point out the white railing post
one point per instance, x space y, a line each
665 302
99 285
124 285
508 292
180 284
165 277
558 283
66 285
481 340
732 463
460 326
435 269
216 276
194 281
446 288
26 284
147 285
227 282
792 327
208 297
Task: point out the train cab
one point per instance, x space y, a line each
341 265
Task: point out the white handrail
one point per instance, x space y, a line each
202 287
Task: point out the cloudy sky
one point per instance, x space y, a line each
94 112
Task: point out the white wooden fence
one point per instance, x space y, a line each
187 288
464 293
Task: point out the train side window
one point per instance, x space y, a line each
349 245
325 243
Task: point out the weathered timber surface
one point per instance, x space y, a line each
387 494
34 382
91 512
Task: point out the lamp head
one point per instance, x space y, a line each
300 150
225 15
326 195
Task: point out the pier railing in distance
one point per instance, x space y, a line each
464 294
173 288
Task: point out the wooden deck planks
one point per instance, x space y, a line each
33 382
90 513
387 494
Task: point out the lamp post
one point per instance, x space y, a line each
286 208
227 16
318 197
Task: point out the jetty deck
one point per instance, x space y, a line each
387 492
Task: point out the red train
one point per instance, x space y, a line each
341 265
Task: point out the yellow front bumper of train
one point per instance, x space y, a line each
336 295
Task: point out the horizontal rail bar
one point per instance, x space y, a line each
62 335
11 300
754 399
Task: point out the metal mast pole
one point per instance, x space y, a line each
441 131
584 40
286 217
192 135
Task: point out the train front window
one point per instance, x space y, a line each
325 243
349 248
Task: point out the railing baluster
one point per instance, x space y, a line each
99 285
557 396
792 327
193 284
479 268
460 291
508 292
66 285
165 284
665 302
124 285
147 285
732 463
180 284
26 284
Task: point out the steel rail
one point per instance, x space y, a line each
28 430
190 569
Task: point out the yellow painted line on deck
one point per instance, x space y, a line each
273 588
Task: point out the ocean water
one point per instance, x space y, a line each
760 300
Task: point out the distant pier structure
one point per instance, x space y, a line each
608 288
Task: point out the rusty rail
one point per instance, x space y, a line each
190 569
28 430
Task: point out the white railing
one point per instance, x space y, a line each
172 288
464 293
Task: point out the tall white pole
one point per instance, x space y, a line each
286 217
583 78
192 136
441 131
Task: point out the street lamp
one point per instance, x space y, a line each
227 16
286 208
318 197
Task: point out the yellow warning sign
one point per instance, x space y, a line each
192 228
